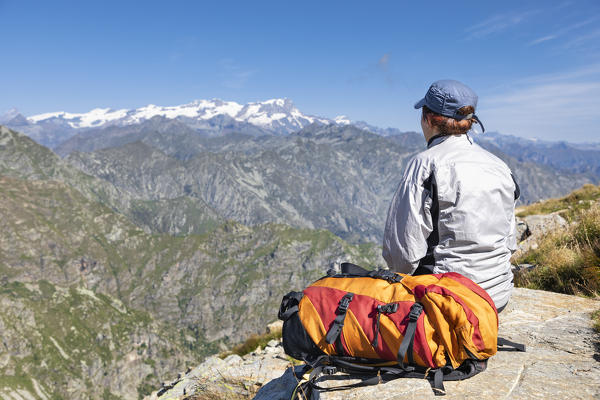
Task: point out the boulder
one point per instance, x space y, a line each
275 326
532 227
562 361
540 224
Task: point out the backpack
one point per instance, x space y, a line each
390 325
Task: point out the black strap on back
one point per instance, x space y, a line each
507 345
338 323
517 193
409 336
428 261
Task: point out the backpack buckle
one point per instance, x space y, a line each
329 370
345 303
415 311
387 275
388 308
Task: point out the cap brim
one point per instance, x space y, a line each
420 103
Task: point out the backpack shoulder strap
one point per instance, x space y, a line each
289 305
353 269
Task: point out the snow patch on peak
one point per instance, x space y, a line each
342 120
93 118
41 117
277 102
283 103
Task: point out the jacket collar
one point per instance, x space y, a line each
437 139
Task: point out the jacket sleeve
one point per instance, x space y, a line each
409 222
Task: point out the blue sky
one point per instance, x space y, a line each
535 65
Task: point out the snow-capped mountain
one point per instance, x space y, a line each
277 115
211 117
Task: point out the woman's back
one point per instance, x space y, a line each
475 196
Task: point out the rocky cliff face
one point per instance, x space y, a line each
101 302
59 342
562 361
174 213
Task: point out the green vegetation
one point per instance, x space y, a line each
147 386
159 215
568 260
568 206
252 343
62 335
596 320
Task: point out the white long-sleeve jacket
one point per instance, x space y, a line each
454 211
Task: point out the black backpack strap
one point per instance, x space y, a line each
389 308
409 336
513 346
386 275
373 380
338 323
369 375
303 389
438 383
376 375
330 365
466 370
353 269
289 305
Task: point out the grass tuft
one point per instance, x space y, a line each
252 343
569 259
596 320
568 206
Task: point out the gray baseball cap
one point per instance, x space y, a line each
447 96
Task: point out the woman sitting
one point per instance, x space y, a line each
454 208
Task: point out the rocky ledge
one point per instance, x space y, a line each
562 361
